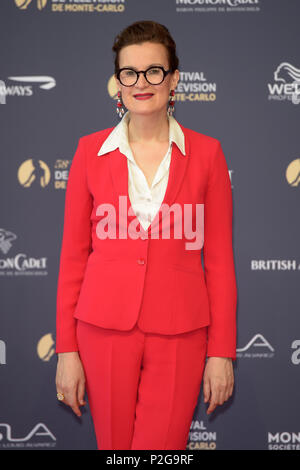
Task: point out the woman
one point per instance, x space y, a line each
138 323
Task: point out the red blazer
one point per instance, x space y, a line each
115 282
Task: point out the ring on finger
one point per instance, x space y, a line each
60 396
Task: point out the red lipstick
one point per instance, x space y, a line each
143 96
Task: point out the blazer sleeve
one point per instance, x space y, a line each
75 249
219 260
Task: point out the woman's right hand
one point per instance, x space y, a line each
70 380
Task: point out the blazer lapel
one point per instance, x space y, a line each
119 174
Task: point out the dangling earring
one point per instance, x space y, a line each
171 103
120 109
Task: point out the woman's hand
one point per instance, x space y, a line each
218 381
70 380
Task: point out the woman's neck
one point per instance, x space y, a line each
148 128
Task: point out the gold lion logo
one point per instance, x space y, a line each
23 4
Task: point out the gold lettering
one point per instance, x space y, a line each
57 7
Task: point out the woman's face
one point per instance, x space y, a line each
140 57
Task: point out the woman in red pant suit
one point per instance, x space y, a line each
140 323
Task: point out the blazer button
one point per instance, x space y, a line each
141 261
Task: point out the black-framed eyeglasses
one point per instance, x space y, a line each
153 75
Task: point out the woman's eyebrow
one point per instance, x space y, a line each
134 68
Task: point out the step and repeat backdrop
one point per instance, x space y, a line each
240 83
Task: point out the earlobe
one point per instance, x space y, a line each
175 79
117 82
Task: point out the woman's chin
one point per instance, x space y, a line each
146 110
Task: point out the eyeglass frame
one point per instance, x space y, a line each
165 72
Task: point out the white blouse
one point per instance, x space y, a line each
145 200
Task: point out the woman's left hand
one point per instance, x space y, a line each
218 381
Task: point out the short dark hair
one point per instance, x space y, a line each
150 31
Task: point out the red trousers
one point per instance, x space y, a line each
142 388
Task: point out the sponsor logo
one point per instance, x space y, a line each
2 92
23 4
200 438
296 354
19 264
257 347
46 347
80 6
194 87
61 173
2 352
292 173
34 172
39 436
286 85
284 441
25 86
274 265
217 6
